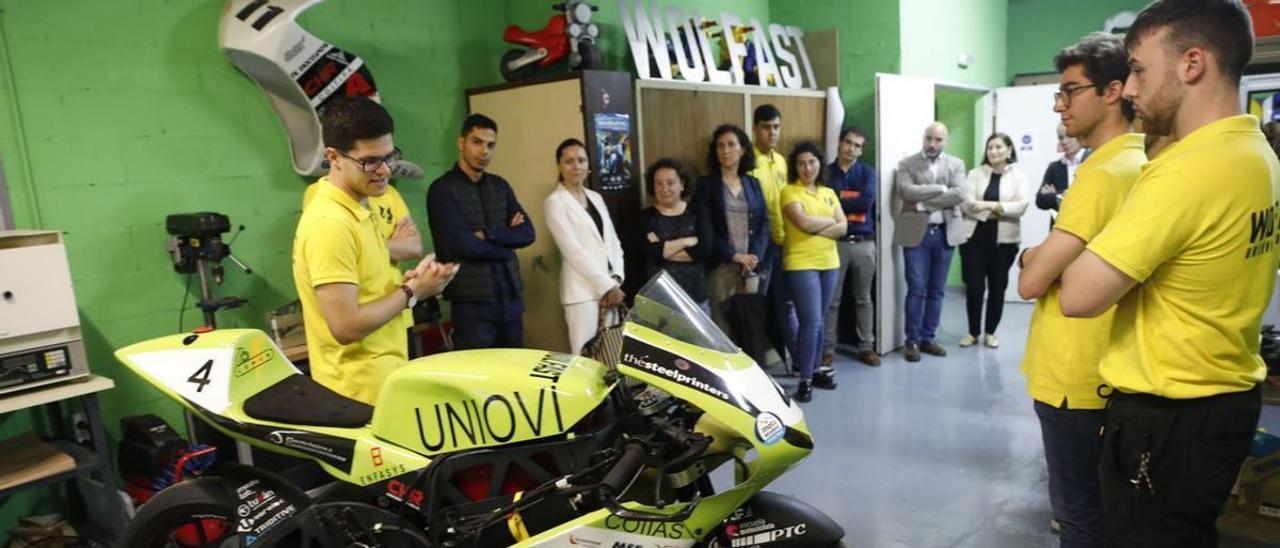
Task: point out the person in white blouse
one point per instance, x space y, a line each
996 197
592 270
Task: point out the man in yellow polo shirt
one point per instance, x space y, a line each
771 171
353 298
1190 261
404 242
1062 354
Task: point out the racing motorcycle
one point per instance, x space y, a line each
485 448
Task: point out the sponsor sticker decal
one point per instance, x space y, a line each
769 428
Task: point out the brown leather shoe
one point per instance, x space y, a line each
869 357
931 348
911 352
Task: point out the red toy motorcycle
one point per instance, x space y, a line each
569 33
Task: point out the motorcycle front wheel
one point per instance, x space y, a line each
590 56
192 514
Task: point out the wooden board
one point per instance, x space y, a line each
823 48
532 121
26 458
678 124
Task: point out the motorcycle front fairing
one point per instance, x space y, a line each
669 344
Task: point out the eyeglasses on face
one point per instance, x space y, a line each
370 165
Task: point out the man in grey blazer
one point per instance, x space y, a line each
930 186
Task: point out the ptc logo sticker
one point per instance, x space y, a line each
769 428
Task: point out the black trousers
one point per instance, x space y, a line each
984 266
1168 465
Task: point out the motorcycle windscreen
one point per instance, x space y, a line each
667 336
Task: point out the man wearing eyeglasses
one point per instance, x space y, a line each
1062 354
353 298
476 220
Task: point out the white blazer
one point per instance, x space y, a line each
1013 198
589 261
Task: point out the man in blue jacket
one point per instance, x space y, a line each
855 183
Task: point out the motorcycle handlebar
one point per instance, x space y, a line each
628 465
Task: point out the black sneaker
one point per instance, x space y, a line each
912 352
825 379
933 349
804 393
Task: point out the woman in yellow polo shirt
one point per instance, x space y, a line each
813 222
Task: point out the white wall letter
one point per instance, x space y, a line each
737 50
766 66
788 69
714 74
798 34
688 57
645 36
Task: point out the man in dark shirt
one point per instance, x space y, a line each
476 221
1060 173
855 183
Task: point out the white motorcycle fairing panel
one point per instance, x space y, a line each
297 71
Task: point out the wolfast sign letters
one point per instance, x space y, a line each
780 54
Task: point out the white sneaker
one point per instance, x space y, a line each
967 341
990 341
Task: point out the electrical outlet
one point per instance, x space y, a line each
80 425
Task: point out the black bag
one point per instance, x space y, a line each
747 316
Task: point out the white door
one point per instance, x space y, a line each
1025 113
904 106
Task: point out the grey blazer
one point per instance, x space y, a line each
912 184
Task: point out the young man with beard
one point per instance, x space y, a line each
353 297
1062 354
476 220
1190 259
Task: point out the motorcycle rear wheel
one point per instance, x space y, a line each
192 514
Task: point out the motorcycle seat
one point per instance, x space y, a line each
299 399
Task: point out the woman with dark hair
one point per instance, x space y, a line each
676 236
813 222
592 270
994 203
733 202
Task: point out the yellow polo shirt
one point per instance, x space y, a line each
1198 233
338 241
388 209
1062 354
801 250
771 171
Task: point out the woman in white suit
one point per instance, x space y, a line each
995 199
592 272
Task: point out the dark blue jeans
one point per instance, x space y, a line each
926 265
486 325
812 291
1072 450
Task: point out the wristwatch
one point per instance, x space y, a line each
413 299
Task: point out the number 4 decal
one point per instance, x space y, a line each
201 376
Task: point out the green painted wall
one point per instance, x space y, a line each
868 42
122 128
959 110
1038 29
934 32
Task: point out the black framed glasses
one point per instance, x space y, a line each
1064 95
370 165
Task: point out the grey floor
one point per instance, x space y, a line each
941 453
